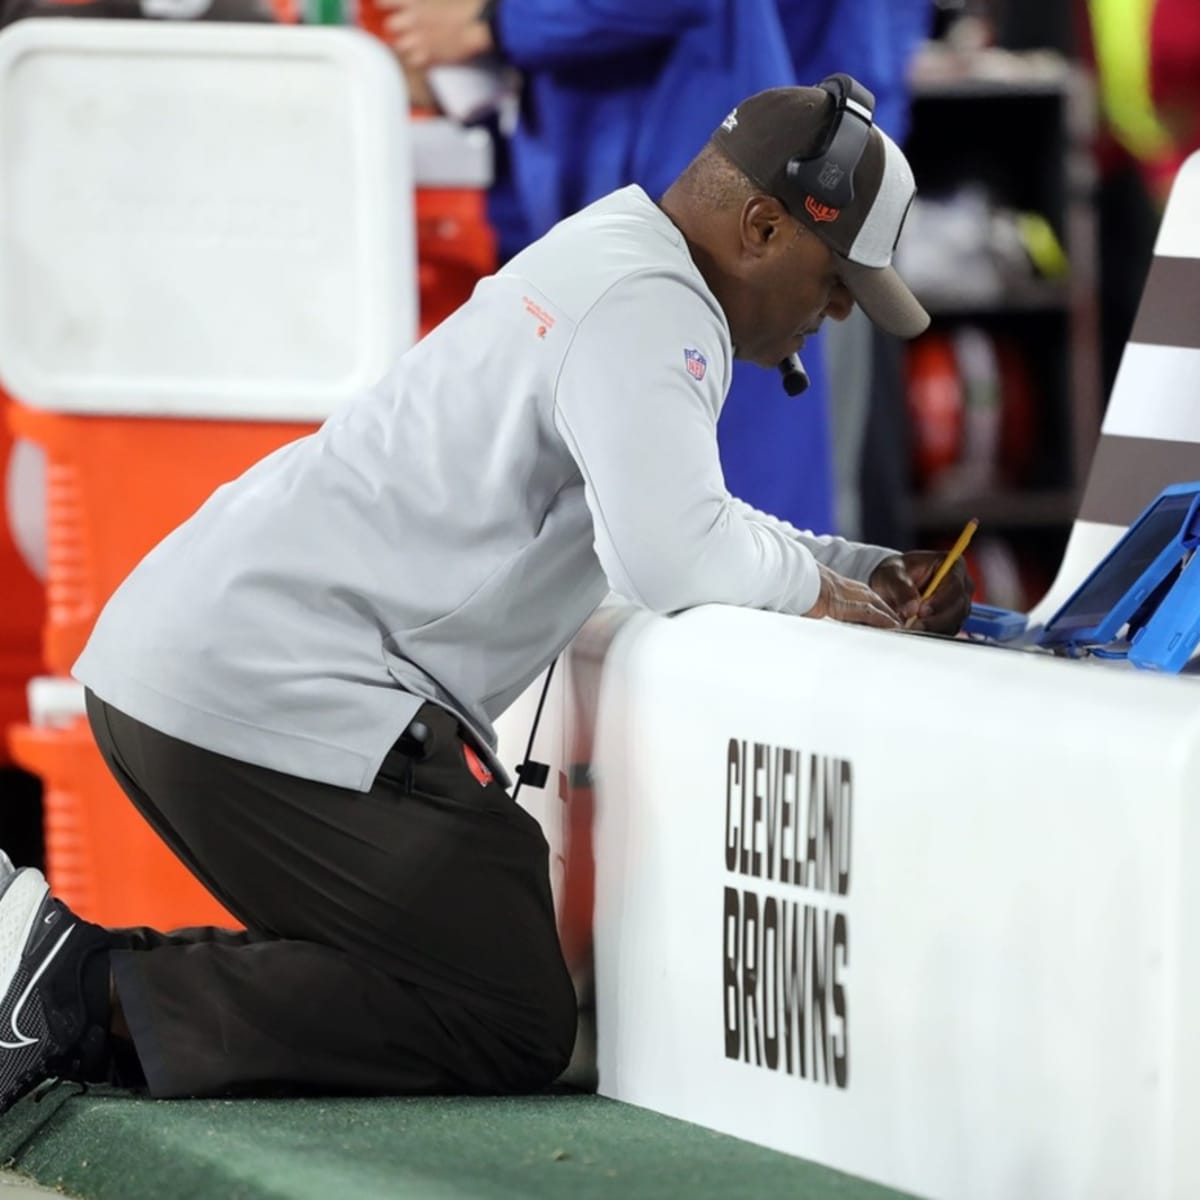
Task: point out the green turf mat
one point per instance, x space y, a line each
110 1146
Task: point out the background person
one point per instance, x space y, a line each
875 41
619 92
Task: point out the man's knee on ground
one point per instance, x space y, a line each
537 1057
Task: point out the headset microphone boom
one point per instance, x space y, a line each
795 377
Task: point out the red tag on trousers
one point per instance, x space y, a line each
476 766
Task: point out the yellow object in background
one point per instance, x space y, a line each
1042 245
1121 38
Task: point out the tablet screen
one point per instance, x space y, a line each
1126 563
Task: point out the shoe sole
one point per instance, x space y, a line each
20 900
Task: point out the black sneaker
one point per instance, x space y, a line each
46 1028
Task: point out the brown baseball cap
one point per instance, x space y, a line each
785 141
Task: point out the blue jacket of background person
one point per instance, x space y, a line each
627 91
873 40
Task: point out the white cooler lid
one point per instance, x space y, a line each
54 701
449 155
200 219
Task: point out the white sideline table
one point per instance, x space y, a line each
1011 989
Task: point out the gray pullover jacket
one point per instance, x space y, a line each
446 534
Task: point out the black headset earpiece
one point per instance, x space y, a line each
828 174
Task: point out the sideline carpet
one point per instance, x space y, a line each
110 1146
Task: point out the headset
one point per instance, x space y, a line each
828 173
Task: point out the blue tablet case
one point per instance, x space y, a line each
1146 588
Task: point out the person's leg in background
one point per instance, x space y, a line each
871 434
885 473
849 351
875 41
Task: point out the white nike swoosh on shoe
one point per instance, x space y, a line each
21 897
22 1040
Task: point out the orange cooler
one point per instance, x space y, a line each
456 244
115 487
456 248
22 611
102 858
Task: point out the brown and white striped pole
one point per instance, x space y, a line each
1151 431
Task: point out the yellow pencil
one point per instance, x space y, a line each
956 552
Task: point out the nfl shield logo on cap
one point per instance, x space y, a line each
696 363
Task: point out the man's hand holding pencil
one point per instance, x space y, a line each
926 588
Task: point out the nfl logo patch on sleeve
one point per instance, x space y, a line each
696 363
